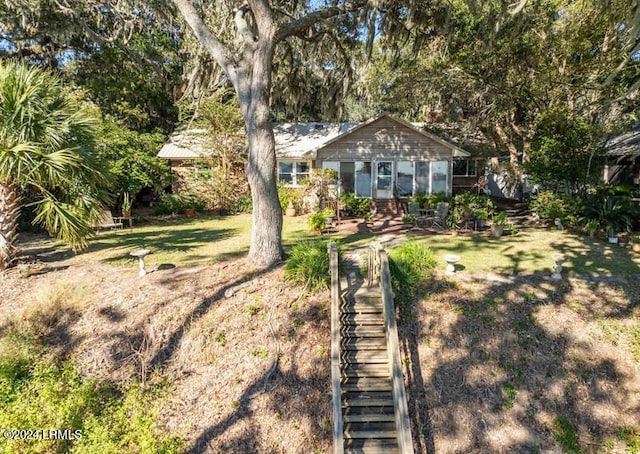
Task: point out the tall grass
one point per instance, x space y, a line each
308 265
411 265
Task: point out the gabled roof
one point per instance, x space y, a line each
303 140
187 144
416 127
293 140
627 144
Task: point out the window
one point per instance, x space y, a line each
363 179
354 177
464 167
293 172
405 178
439 174
423 177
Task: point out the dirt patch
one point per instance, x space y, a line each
247 365
497 366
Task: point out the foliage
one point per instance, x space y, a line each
613 208
549 205
318 221
132 157
46 145
211 186
219 182
308 265
564 153
472 203
288 194
169 204
126 202
500 219
411 265
616 215
38 392
408 219
356 206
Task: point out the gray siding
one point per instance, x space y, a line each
384 140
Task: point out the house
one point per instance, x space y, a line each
623 160
383 158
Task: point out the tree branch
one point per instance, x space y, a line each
221 54
299 25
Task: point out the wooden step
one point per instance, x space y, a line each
363 308
370 429
368 343
368 294
357 330
369 418
367 399
364 384
368 446
366 370
361 319
365 357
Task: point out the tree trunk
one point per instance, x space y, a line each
266 231
9 214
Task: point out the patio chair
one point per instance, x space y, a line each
106 221
439 219
413 209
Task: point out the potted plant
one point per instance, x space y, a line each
615 218
592 226
329 215
498 223
126 205
481 218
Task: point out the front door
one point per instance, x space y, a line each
384 180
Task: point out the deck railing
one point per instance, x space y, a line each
378 271
336 339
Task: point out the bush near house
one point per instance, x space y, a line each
549 206
308 265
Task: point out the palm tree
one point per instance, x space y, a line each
45 147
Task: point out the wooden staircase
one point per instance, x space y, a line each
370 409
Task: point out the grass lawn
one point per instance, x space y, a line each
211 240
530 251
188 241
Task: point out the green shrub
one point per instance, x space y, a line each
169 204
411 265
471 203
356 206
317 221
39 392
549 206
288 194
308 264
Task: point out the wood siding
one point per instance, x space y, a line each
384 139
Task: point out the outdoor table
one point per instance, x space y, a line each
124 218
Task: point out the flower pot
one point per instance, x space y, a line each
497 230
613 240
290 211
126 214
189 212
481 223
